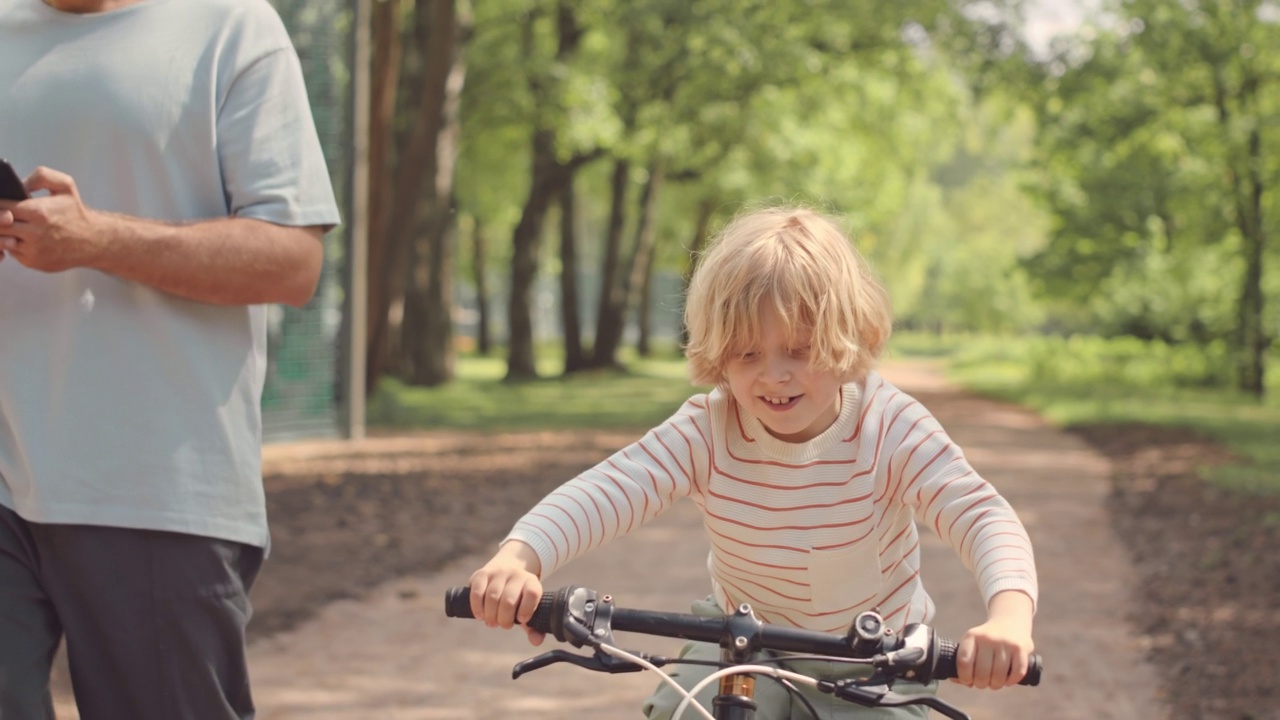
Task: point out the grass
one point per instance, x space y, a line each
643 395
1249 427
651 389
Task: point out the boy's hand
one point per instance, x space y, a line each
507 589
996 653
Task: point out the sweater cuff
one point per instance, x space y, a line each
1020 583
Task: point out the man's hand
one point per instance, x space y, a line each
6 219
220 261
49 233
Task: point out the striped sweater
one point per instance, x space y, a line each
810 534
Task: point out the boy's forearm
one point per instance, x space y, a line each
1011 606
520 553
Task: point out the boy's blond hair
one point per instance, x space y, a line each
802 264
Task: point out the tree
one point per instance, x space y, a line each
1155 132
574 357
427 336
411 182
723 99
693 76
550 178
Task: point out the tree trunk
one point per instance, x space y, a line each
638 284
549 179
1247 187
479 265
427 338
548 182
611 313
385 73
1254 340
611 310
573 356
404 230
644 313
428 321
699 242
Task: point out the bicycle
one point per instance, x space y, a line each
583 617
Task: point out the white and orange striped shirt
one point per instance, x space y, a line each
810 534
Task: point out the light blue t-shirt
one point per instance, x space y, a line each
121 405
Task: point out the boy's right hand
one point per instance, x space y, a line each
507 589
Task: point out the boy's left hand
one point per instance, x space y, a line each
995 654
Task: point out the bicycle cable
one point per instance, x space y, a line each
624 655
786 684
776 673
791 688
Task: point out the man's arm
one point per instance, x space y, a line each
226 261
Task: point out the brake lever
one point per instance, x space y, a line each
549 658
599 662
879 695
930 701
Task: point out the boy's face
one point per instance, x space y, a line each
774 382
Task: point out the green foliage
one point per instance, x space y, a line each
1146 120
1091 380
854 108
1122 361
1087 191
645 395
1182 294
496 109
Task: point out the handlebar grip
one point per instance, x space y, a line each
457 604
945 668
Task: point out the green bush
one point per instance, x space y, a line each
1127 361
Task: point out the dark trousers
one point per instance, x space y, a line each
154 621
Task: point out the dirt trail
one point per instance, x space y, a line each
393 656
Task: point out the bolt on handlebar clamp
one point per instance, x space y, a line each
743 630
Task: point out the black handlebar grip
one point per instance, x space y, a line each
457 604
945 668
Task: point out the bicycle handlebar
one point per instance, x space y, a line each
577 615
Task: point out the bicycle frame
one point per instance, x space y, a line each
736 700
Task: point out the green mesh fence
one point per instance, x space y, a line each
303 396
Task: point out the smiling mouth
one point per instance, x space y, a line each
780 403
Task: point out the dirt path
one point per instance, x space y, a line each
1095 661
392 655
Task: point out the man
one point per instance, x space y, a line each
177 187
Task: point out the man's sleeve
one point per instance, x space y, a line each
273 168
